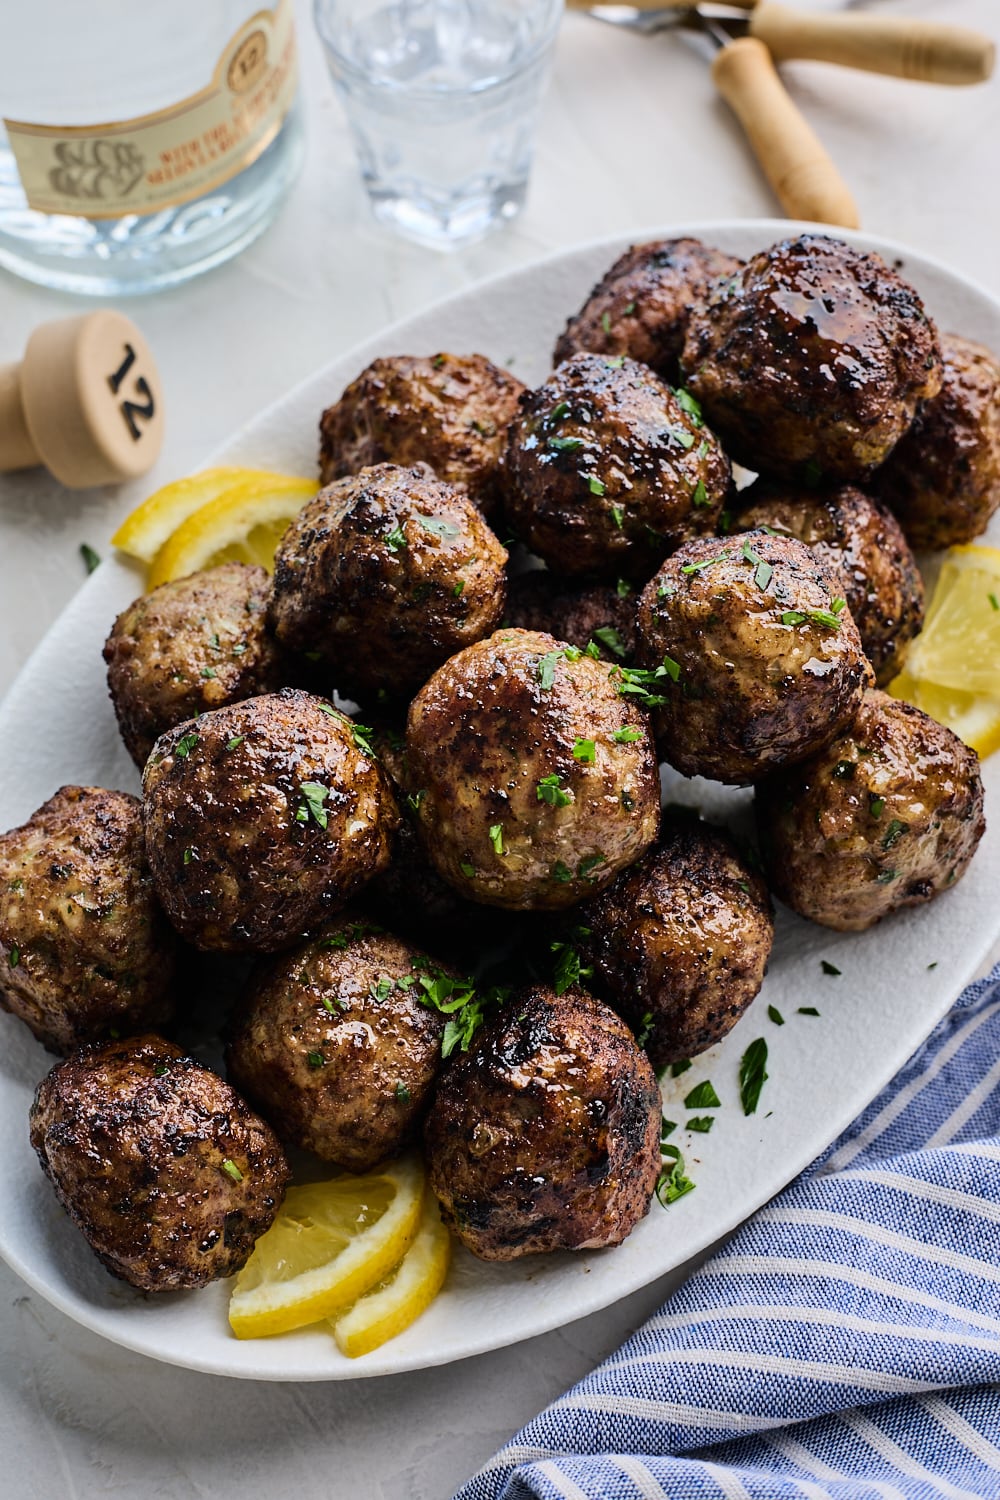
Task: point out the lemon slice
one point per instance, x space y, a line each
408 1291
243 524
332 1242
959 646
975 719
145 529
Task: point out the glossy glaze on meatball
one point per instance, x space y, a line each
450 411
85 950
887 815
642 305
679 943
943 478
262 819
810 362
335 1046
534 780
189 646
598 613
161 1165
861 538
386 575
761 660
545 1135
609 470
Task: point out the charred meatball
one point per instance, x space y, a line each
811 361
609 470
262 819
187 647
642 306
337 1047
386 575
158 1162
545 1135
887 815
863 540
85 951
679 943
758 660
943 478
534 780
598 613
451 411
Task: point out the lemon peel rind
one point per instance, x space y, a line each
385 1312
219 522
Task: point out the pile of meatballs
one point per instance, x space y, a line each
494 787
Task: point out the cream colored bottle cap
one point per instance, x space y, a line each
85 401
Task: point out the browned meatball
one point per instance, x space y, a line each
85 951
598 613
545 1135
758 658
159 1163
811 361
262 819
642 305
887 815
534 781
337 1045
187 647
386 575
451 411
861 539
943 478
679 943
609 470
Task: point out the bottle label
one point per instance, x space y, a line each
156 161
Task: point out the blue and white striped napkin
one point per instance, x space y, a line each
845 1343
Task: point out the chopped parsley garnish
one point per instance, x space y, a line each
808 1010
402 1093
185 745
457 999
763 571
886 877
496 837
209 672
467 870
236 740
677 1068
459 588
13 956
316 1060
561 872
606 322
623 588
414 800
628 310
188 856
682 436
894 833
994 601
591 862
395 539
774 1014
672 1182
687 403
585 750
699 495
160 1069
709 562
617 515
933 965
565 444
828 967
595 485
549 790
645 1029
331 1006
447 530
753 1075
702 1096
361 733
560 410
91 559
382 987
828 617
568 969
876 806
608 636
635 681
701 1123
546 669
232 1170
314 794
627 736
616 363
667 1127
437 361
844 770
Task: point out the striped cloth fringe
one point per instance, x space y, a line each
844 1343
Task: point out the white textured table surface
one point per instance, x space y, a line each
632 136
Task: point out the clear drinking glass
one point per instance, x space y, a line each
442 97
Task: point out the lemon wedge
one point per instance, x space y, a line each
959 646
408 1291
330 1244
975 719
145 529
242 524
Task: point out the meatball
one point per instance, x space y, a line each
85 951
642 305
679 943
888 814
338 1045
598 613
545 1135
451 411
758 660
534 781
262 819
159 1163
187 647
386 575
609 470
863 540
943 478
810 362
